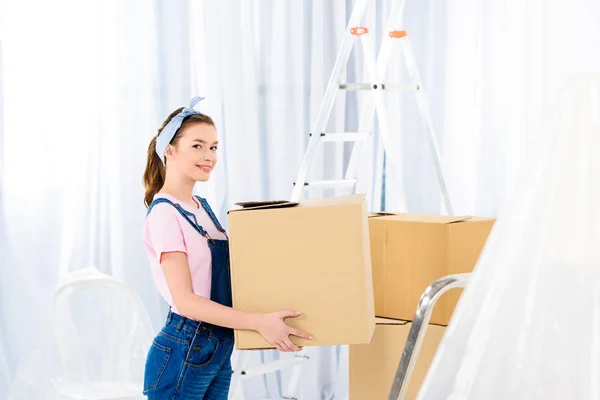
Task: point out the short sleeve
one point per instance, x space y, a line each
162 231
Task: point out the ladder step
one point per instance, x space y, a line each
381 86
331 184
273 366
412 87
344 136
356 86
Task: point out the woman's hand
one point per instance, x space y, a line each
273 328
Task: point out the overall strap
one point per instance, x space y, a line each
211 214
188 216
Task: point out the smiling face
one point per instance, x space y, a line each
194 155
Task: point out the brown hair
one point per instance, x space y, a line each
154 175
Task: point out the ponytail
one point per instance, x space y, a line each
154 175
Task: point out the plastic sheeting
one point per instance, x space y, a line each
94 345
528 324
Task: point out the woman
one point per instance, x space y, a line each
189 256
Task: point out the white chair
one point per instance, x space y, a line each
103 333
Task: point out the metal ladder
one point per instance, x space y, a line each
376 72
376 69
240 372
418 330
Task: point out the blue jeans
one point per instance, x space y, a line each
188 360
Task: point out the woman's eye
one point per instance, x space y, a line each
214 148
197 146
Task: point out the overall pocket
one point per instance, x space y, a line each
156 363
202 351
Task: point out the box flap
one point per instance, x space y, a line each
434 219
380 214
389 321
254 205
328 201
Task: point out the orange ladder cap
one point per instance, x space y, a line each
398 34
359 30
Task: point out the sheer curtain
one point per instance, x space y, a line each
4 369
504 63
528 50
79 105
87 83
82 103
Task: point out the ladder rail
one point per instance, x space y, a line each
418 330
329 98
241 372
290 393
368 111
236 390
422 105
382 117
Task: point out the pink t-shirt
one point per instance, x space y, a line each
166 230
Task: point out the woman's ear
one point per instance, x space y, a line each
169 152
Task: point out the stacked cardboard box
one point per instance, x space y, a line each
373 366
408 253
341 266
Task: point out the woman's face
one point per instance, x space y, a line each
195 154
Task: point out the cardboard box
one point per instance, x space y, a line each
312 257
373 366
409 252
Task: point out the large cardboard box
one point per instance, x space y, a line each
410 251
313 257
373 366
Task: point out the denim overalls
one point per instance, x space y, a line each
190 359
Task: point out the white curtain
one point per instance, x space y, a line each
87 83
79 106
509 338
4 369
505 61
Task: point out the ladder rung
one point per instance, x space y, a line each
356 86
398 86
332 183
273 366
344 136
382 86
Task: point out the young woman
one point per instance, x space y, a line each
189 256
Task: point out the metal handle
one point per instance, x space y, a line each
418 329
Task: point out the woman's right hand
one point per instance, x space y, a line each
273 328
